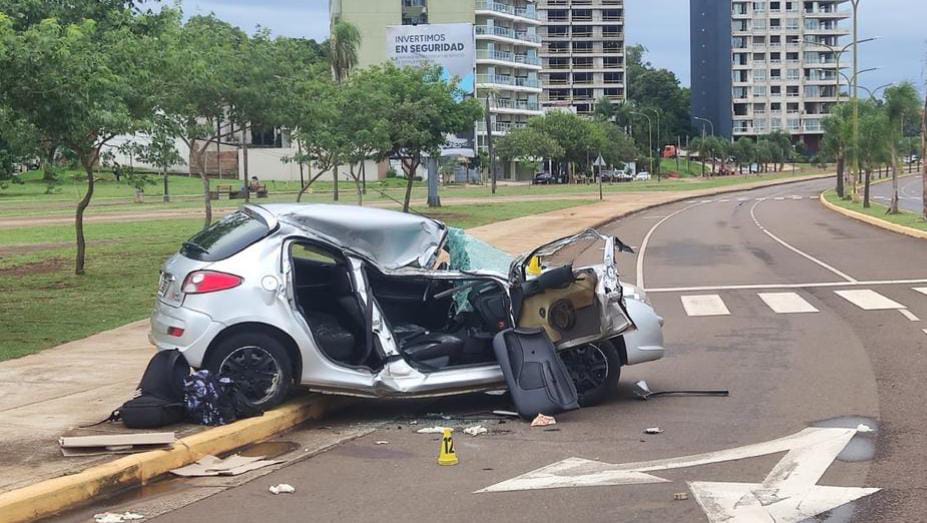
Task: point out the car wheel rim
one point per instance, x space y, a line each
587 365
254 370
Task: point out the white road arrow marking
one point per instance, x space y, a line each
789 493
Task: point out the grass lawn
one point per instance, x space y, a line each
44 304
878 210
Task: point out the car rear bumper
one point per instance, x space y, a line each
198 331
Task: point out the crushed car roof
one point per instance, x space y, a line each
390 239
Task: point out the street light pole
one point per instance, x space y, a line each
856 96
650 133
710 123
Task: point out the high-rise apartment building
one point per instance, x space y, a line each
582 53
507 63
760 66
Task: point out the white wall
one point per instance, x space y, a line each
123 159
268 164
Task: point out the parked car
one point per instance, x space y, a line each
375 303
642 176
544 179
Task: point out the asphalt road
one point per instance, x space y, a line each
910 193
839 366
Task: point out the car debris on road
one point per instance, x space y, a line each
543 421
476 430
282 488
117 517
653 430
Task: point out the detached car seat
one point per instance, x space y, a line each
537 378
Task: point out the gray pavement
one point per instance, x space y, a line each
858 358
910 193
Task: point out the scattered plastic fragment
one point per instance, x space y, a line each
476 430
508 413
431 430
496 392
381 442
543 421
112 517
681 496
653 430
864 428
643 392
282 488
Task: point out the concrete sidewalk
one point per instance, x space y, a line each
46 395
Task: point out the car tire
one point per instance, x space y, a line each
595 369
259 363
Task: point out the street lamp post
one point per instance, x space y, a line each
650 133
710 124
838 53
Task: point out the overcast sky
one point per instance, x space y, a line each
660 25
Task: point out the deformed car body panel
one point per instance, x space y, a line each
396 245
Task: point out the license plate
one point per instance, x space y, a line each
164 284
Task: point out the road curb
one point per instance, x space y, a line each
56 495
872 220
725 190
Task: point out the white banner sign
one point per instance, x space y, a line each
449 45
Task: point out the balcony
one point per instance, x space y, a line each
500 127
504 56
529 12
514 105
513 81
505 32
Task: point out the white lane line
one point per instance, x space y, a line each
797 251
869 300
922 290
779 198
908 314
707 201
786 302
796 197
705 305
925 331
643 249
724 200
763 286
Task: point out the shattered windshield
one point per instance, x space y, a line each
471 254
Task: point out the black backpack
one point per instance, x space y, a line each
159 399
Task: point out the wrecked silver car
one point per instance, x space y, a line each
375 303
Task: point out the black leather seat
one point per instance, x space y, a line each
435 350
336 341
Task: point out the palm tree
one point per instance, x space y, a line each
343 45
838 134
902 105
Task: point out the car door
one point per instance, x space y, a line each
572 310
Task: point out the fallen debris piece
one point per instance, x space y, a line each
283 488
543 421
643 392
864 428
381 442
233 465
476 430
114 517
653 430
431 430
496 392
681 496
115 443
507 413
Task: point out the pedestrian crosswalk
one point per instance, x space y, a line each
706 305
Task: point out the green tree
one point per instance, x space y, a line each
838 135
783 150
80 84
528 146
744 152
875 142
421 110
652 88
617 147
902 106
206 60
343 44
578 137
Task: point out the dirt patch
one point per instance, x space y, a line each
43 267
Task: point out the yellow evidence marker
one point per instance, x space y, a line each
446 455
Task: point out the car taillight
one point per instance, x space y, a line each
201 282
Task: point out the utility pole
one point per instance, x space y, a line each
244 158
492 160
